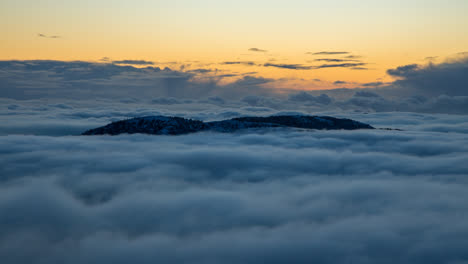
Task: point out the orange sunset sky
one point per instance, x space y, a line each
290 40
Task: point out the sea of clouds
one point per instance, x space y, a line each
254 196
268 196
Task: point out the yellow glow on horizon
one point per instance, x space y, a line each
386 34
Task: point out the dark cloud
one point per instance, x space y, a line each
328 53
200 71
334 60
403 71
249 73
353 66
248 63
339 82
228 75
372 84
251 80
134 62
46 36
353 57
85 80
257 50
366 94
307 97
377 101
433 88
288 66
449 78
340 65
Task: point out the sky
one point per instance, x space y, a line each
394 194
289 40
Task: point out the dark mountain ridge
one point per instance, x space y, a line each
163 125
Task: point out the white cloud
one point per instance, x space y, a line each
280 196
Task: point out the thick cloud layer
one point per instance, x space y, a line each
59 117
269 196
274 196
450 78
86 80
432 88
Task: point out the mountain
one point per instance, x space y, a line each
163 125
